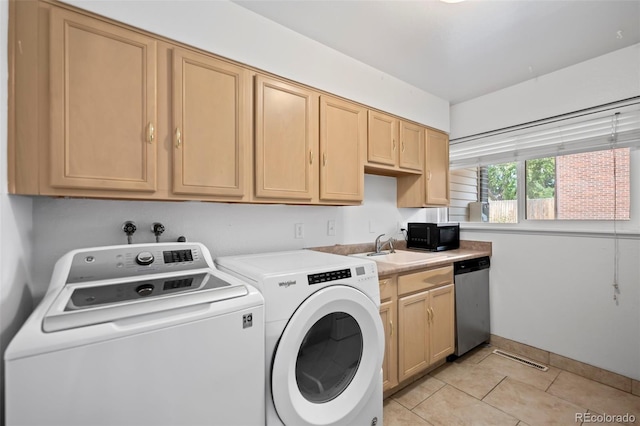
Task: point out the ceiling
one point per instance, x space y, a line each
464 50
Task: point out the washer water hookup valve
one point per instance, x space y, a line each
129 229
157 228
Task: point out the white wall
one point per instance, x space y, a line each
555 291
16 228
608 78
234 32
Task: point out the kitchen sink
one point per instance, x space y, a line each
401 257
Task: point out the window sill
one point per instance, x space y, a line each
535 228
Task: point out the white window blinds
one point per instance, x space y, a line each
604 128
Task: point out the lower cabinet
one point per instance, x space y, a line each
425 322
389 315
418 313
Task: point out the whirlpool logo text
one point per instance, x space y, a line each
286 284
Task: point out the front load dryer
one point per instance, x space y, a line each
145 334
324 336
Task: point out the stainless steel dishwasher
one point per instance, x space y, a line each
471 278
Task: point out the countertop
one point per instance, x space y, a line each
468 250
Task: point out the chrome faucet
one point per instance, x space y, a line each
380 244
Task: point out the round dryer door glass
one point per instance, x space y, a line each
329 357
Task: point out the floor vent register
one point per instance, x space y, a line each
521 360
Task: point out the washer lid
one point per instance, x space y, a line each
328 359
79 305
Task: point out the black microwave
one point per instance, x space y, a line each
433 236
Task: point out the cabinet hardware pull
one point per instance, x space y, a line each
402 146
178 137
324 159
432 314
310 157
394 144
429 176
150 133
391 324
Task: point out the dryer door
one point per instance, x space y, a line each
328 359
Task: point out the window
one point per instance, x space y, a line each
585 186
502 192
570 168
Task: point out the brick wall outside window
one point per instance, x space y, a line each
585 185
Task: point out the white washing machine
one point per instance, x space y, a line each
145 334
324 336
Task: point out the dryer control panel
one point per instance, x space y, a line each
134 260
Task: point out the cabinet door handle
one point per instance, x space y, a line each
324 159
394 144
432 314
178 137
429 175
391 324
402 146
310 157
150 133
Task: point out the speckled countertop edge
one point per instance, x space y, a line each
468 250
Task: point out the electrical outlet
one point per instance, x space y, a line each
299 230
331 228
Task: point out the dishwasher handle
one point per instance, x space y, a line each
471 265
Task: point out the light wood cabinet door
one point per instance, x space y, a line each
390 363
442 329
103 105
343 134
437 169
286 140
413 334
382 142
212 121
411 146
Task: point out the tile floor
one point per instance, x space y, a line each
482 388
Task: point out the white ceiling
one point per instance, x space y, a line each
464 50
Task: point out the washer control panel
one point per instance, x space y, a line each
147 288
134 260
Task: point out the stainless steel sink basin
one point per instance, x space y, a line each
401 257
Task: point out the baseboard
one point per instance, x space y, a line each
597 374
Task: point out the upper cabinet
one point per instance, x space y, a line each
382 143
394 146
286 140
411 146
436 172
101 109
103 105
211 125
343 135
431 189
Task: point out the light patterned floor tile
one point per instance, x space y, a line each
539 379
476 355
449 407
532 405
470 378
595 396
397 415
417 392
